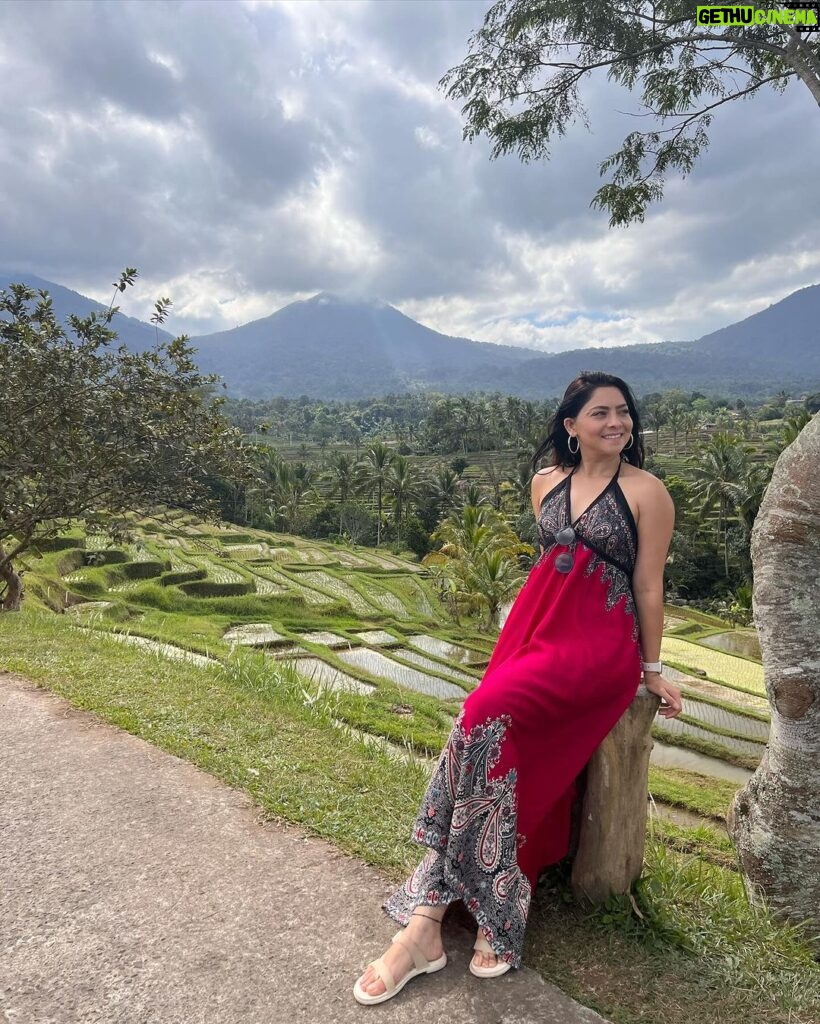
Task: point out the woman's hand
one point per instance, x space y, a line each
671 703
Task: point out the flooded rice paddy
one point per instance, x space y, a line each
735 642
328 677
449 651
377 637
379 664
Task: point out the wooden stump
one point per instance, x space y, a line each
611 827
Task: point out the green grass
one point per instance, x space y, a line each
702 794
685 946
689 948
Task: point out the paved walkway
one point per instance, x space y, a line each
136 889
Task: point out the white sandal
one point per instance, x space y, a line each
421 965
500 968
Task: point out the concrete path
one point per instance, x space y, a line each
136 889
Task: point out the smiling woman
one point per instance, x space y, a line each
566 666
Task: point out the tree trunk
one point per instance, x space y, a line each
611 818
13 594
774 820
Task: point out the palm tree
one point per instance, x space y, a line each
470 495
675 411
443 487
403 483
496 479
462 412
751 489
477 563
719 466
520 483
291 485
491 578
377 460
344 474
689 424
478 425
793 425
654 415
513 416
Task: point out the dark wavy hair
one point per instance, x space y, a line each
576 396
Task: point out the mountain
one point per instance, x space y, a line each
328 346
136 334
334 348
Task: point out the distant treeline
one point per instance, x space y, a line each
431 423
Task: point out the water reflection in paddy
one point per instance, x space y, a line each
380 665
377 637
436 666
325 638
329 677
450 651
753 728
666 756
675 726
735 642
253 633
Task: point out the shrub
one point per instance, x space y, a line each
210 588
57 544
416 537
109 556
143 570
324 522
70 561
171 579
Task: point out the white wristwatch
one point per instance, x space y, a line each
652 666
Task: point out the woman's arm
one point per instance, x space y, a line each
655 524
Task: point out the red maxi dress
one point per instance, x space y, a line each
566 666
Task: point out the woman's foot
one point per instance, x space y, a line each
425 932
485 964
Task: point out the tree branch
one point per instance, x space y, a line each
689 118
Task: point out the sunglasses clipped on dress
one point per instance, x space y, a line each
565 561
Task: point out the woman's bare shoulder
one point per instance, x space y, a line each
642 477
642 489
627 469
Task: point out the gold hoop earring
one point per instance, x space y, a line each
573 451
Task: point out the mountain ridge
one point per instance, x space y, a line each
333 346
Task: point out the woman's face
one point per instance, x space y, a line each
603 425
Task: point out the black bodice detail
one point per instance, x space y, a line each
607 526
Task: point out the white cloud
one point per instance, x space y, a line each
247 155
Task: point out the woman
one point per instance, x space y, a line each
567 664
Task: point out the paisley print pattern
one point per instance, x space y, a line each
618 586
468 821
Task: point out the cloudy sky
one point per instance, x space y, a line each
246 154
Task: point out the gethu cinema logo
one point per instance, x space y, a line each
805 18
